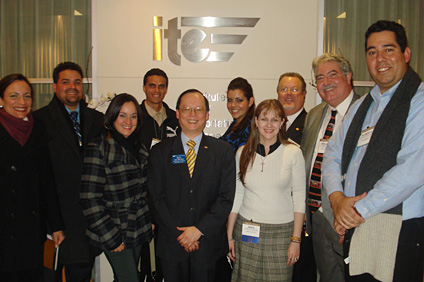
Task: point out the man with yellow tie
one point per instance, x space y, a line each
191 184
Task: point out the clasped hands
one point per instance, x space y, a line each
345 214
189 239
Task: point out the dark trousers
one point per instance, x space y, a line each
188 270
305 269
224 270
125 264
33 275
409 256
77 272
327 249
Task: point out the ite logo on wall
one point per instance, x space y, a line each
193 38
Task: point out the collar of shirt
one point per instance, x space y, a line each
159 117
261 149
376 92
341 109
76 110
197 140
290 119
343 106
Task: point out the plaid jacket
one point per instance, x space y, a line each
113 195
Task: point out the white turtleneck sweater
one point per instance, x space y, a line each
272 196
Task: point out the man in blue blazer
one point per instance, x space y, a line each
191 199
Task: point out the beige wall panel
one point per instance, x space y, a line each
284 39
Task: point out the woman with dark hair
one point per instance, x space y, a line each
28 199
241 105
114 190
266 221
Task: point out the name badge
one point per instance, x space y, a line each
179 159
347 260
322 145
250 232
154 142
365 137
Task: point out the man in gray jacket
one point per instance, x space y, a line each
333 76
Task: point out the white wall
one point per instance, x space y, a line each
284 39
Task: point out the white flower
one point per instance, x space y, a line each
101 101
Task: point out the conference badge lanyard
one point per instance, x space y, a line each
365 137
250 232
322 145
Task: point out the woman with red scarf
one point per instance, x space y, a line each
28 199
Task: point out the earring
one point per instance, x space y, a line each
1 106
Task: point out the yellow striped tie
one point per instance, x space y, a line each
191 156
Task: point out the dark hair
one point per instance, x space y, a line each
66 66
155 71
293 74
191 91
114 108
242 84
9 79
398 30
249 151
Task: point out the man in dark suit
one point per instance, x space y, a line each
71 126
291 91
334 83
191 186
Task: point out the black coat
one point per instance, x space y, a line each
150 128
28 200
67 159
296 128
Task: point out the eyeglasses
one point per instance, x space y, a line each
197 110
293 90
330 75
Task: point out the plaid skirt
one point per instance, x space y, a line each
266 260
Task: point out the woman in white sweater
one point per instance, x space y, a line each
265 224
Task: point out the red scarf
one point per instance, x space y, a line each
19 129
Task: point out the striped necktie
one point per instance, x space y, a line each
74 118
314 199
191 156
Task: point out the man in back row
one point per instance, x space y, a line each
373 166
291 92
159 121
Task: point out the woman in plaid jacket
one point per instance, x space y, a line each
114 190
